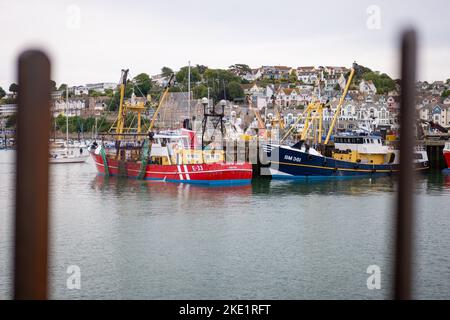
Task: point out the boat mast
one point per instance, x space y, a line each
121 115
67 117
189 90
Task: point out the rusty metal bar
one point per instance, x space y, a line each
31 221
405 196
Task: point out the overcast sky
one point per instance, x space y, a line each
91 41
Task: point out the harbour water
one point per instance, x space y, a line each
269 240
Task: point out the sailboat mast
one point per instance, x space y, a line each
189 90
67 117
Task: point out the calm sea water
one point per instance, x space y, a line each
270 240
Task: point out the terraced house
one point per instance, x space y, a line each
275 72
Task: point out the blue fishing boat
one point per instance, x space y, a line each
352 154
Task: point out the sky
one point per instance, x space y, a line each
91 41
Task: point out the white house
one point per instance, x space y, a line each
275 72
446 101
79 90
7 109
437 113
71 108
254 75
367 87
307 75
287 97
159 79
101 87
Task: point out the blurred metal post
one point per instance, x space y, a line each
405 197
31 221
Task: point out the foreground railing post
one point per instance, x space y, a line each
31 220
405 197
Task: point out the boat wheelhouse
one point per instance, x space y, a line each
362 149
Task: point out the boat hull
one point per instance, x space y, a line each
204 174
68 160
447 158
290 163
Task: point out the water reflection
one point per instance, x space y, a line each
352 186
436 182
433 182
163 190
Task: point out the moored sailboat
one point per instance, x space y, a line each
65 152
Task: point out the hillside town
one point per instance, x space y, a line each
372 101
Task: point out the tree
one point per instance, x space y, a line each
14 88
445 94
200 91
201 68
240 69
182 75
109 92
220 75
143 84
11 121
52 85
94 93
382 82
235 91
166 71
293 77
2 93
62 87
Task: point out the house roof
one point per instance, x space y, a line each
282 67
247 86
287 91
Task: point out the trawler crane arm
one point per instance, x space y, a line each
257 114
338 109
163 97
299 118
121 114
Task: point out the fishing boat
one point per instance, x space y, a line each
446 152
171 157
352 154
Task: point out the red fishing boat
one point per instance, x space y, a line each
172 157
167 161
447 154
